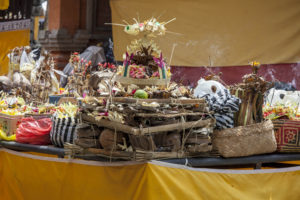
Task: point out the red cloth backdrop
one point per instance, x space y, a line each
289 73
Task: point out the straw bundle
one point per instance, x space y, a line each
251 92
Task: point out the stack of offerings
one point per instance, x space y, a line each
141 114
141 129
144 63
251 134
282 107
31 79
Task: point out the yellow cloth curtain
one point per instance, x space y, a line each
4 4
27 176
220 33
8 41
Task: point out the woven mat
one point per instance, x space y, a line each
287 135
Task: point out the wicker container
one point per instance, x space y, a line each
287 135
10 123
245 140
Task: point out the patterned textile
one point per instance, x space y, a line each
287 135
63 130
23 24
224 106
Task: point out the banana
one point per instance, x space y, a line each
3 136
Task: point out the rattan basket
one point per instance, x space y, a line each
245 140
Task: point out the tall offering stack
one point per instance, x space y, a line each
145 115
143 61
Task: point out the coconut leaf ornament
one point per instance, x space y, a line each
143 59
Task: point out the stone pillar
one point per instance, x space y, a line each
66 31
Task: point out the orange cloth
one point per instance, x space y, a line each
8 41
26 176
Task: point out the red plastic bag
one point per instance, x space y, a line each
32 131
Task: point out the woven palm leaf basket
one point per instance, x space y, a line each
245 140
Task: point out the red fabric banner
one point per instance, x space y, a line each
288 73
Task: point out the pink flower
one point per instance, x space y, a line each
159 61
155 74
133 91
128 59
103 114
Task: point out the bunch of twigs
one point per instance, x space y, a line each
251 92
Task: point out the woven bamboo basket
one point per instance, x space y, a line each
245 140
142 82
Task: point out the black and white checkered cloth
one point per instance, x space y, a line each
224 106
63 130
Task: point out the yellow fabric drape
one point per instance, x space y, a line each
8 41
26 176
4 4
220 33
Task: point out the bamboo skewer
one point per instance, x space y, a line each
165 23
169 115
115 24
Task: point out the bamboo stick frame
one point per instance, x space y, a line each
149 130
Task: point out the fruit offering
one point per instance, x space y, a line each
141 94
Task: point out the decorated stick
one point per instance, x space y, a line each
172 52
115 24
164 23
